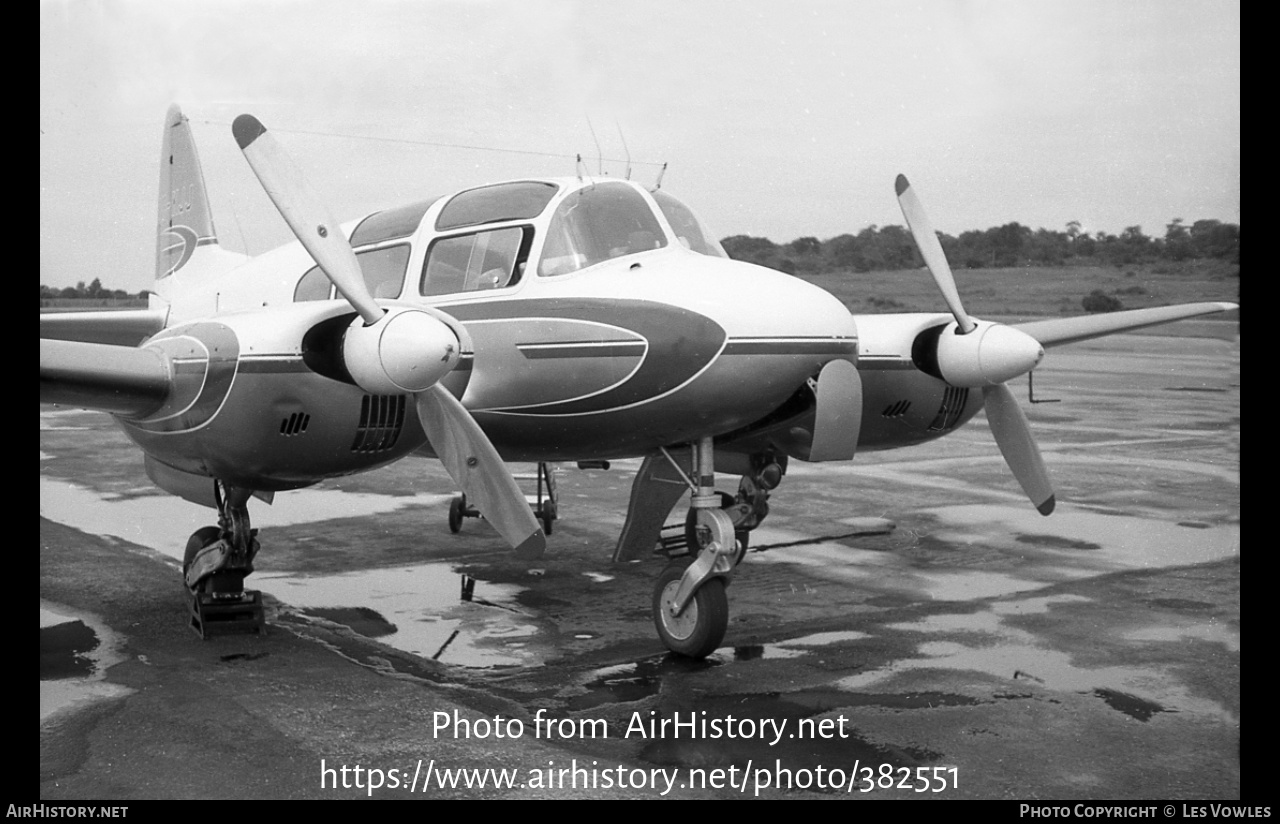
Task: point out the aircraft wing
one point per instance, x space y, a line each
1059 331
122 380
128 327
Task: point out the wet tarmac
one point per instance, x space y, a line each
900 619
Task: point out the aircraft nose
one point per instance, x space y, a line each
776 305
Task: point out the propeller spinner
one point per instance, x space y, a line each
981 354
396 351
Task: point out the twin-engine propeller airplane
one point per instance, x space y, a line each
571 319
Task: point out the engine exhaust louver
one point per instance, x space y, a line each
953 403
295 424
381 419
896 410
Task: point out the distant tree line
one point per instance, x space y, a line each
892 247
94 291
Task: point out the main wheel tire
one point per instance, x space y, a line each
700 628
455 514
199 539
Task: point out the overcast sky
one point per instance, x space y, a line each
777 119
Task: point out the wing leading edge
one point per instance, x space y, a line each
121 380
1059 331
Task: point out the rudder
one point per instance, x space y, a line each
185 224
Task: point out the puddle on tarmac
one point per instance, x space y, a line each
754 652
1056 542
823 638
1082 544
1209 630
626 683
421 603
75 651
164 523
1130 705
362 620
1122 542
64 650
417 609
994 648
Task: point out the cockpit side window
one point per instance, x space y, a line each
383 270
598 223
476 261
689 230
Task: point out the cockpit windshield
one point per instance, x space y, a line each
689 230
597 223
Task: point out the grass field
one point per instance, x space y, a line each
1037 290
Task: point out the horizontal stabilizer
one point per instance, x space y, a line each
1060 331
121 380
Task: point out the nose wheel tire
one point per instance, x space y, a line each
199 539
697 631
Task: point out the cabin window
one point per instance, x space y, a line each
383 270
313 286
689 230
597 223
477 261
521 200
390 224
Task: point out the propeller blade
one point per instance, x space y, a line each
931 250
305 213
478 470
1013 435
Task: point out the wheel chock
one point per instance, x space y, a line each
220 614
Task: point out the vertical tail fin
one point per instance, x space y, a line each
186 244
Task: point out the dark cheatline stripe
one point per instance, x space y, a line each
892 362
583 349
792 346
272 365
681 343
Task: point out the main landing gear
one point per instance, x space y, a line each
690 608
215 564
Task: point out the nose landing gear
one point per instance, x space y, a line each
690 608
215 564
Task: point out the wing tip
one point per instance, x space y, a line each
246 128
901 185
1045 507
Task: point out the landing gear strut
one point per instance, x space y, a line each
215 564
690 610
